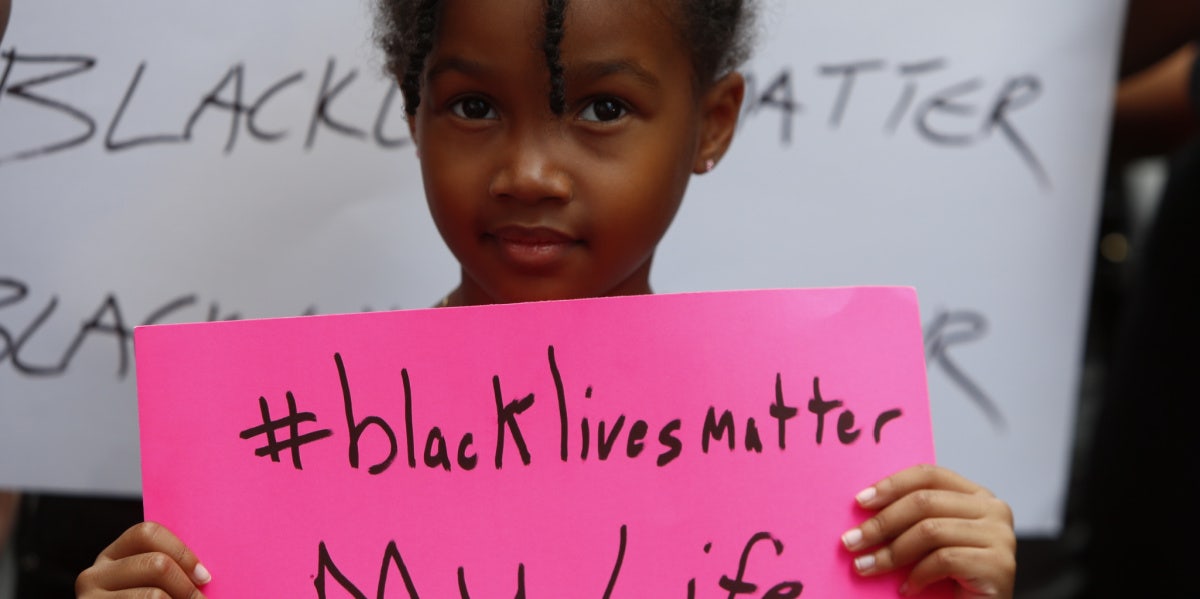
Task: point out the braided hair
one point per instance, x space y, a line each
718 32
552 46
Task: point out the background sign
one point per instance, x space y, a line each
167 163
666 446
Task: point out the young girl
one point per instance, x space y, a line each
556 142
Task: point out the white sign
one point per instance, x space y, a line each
164 163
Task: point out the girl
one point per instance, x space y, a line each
556 142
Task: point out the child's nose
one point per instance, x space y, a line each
532 172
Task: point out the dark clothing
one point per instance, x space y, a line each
1145 470
58 537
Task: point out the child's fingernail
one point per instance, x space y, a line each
852 538
864 563
865 496
201 575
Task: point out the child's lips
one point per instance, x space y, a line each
533 248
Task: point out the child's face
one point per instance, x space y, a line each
541 206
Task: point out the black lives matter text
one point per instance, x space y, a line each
617 436
243 101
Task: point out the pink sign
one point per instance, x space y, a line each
693 446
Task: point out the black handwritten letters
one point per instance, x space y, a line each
377 443
393 559
738 585
106 321
961 112
238 98
330 577
597 440
959 327
109 325
294 441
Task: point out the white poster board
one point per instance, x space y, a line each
165 163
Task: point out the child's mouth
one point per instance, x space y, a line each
532 248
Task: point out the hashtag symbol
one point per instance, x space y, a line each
292 422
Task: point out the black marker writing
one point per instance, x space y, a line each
620 437
107 320
778 96
607 433
230 95
738 584
952 116
1017 94
107 326
949 117
21 89
616 571
506 419
716 429
945 102
910 72
112 144
357 427
562 404
326 97
846 432
950 328
781 411
437 449
291 422
462 582
234 105
848 72
392 560
252 114
668 439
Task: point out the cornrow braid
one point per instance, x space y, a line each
415 61
552 46
718 34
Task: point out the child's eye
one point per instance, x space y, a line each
473 109
604 110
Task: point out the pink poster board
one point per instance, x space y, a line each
661 446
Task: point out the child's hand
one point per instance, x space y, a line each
146 558
942 525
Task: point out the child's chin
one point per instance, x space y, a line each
540 293
544 297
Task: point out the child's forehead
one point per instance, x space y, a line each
530 16
587 26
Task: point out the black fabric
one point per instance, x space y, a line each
1195 86
1144 472
58 537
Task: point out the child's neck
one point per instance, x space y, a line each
468 294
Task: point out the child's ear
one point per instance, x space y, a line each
720 108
